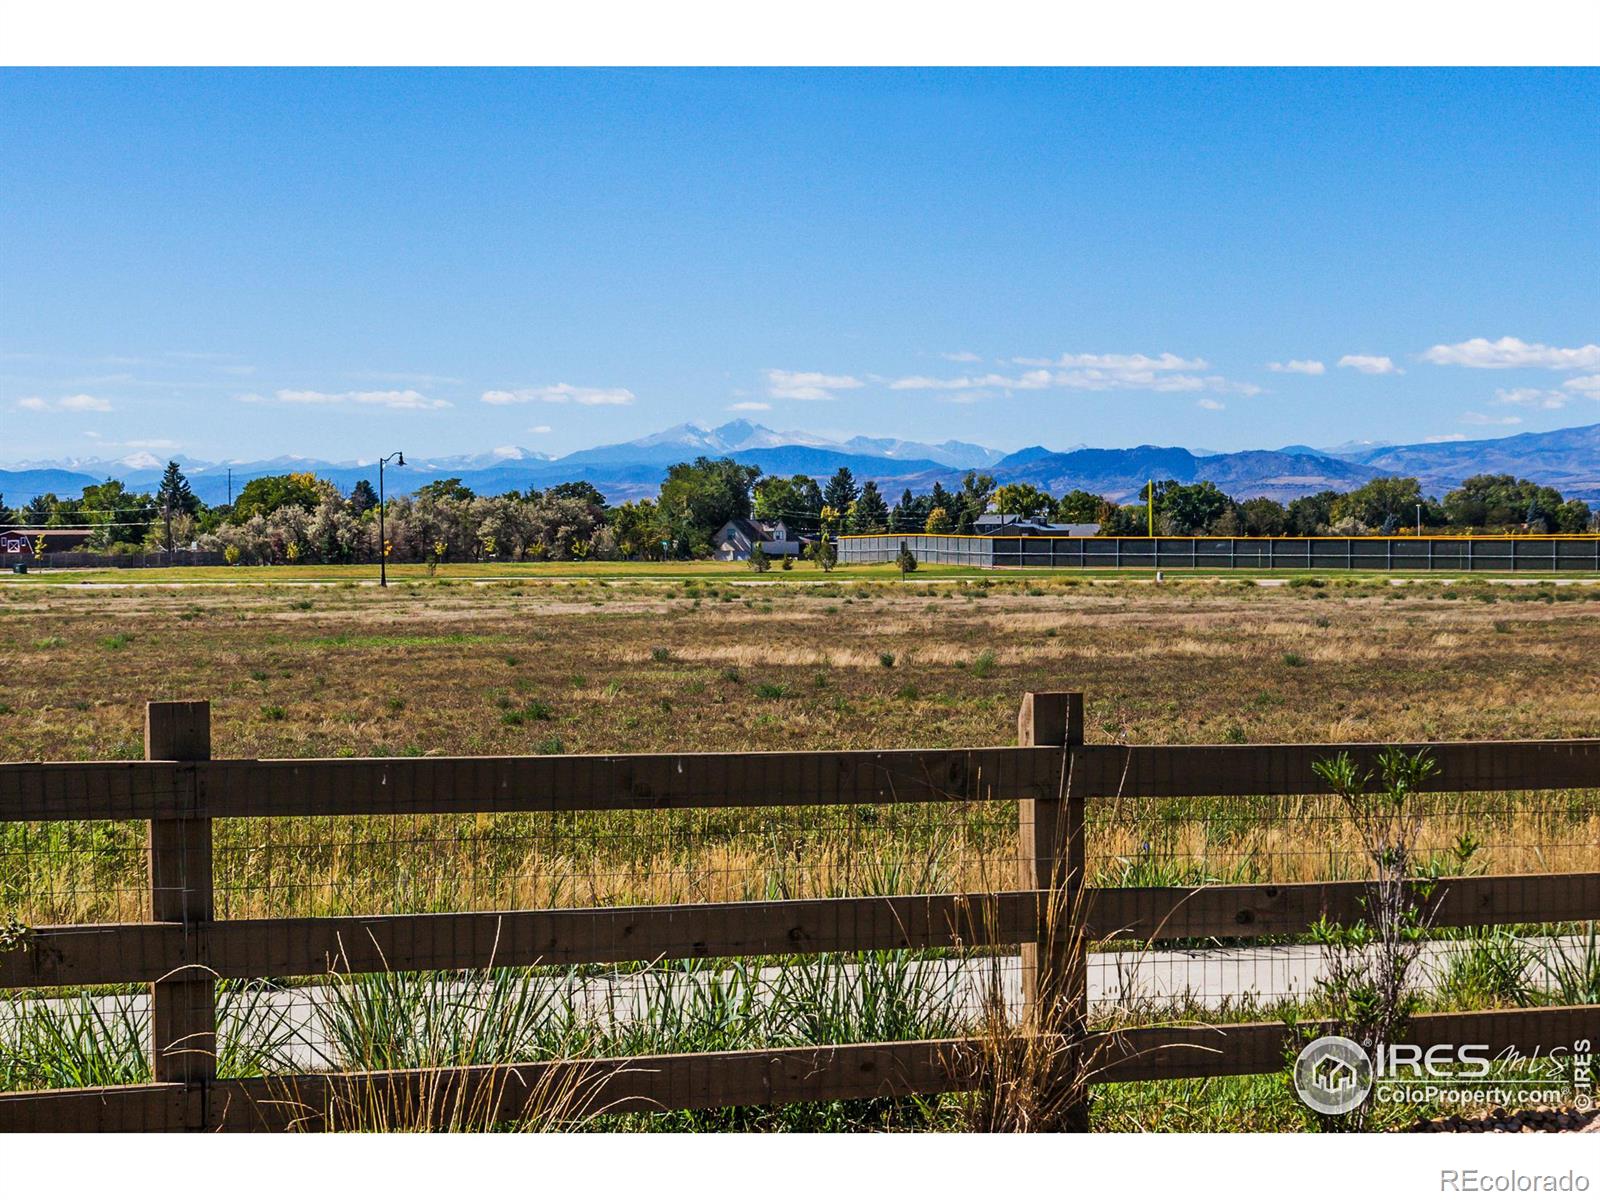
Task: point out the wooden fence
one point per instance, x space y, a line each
1051 775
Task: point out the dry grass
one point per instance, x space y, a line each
549 666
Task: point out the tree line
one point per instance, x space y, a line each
299 517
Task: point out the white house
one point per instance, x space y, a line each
734 541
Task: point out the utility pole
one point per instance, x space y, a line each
230 487
1419 520
383 542
1150 505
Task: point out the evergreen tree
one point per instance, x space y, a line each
903 516
841 491
871 513
363 499
905 560
174 498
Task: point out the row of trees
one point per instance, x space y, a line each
298 517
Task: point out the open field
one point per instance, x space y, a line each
702 664
546 664
671 572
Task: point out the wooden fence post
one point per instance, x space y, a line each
1052 858
183 1014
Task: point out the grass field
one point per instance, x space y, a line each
733 573
552 661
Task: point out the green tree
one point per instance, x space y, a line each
1573 516
1384 503
174 498
759 562
1311 515
443 491
910 513
265 495
1079 507
841 491
581 490
870 514
120 517
1262 517
1501 501
363 498
698 498
1190 508
796 500
1126 520
972 500
639 529
905 560
827 554
1022 501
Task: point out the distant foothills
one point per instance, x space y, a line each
676 492
1565 459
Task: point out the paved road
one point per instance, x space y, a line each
1207 978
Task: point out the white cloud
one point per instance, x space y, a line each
750 406
807 385
82 403
1371 364
1090 373
1530 398
1584 385
151 444
1118 362
538 429
78 403
1298 366
407 399
961 356
1444 437
563 393
1482 354
1026 382
1209 404
1475 418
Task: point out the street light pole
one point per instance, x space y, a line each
1419 520
383 542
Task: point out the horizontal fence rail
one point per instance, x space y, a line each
142 791
179 790
82 955
665 1083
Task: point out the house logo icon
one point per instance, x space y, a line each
1333 1075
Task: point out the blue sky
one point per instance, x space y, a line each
333 263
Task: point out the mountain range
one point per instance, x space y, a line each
1566 459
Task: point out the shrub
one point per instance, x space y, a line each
660 654
983 665
774 691
886 659
905 560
